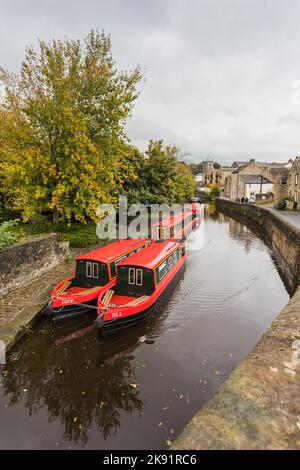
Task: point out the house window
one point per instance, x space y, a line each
131 276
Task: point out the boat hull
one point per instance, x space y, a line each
112 327
69 311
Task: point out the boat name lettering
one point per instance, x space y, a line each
67 301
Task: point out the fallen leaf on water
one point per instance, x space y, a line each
166 408
133 385
169 443
181 396
160 424
75 419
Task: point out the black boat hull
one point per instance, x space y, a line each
112 327
70 311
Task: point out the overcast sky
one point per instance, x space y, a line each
219 73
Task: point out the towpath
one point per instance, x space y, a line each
21 307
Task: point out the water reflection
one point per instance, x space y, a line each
79 384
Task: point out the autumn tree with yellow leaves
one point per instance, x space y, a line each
62 124
63 149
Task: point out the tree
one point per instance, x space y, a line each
65 114
162 178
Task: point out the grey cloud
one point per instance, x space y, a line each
219 73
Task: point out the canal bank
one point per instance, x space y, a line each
258 406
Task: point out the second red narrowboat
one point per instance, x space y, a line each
144 282
177 227
94 271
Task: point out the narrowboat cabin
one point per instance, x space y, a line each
94 271
177 227
144 282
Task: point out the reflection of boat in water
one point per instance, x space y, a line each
94 271
120 345
144 282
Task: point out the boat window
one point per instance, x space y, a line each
144 284
88 269
166 266
131 276
95 270
139 277
90 274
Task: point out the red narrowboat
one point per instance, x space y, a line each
177 227
144 282
94 271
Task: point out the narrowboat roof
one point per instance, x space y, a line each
107 253
152 255
173 220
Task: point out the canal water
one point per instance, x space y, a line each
63 389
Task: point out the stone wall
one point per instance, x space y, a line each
22 263
283 237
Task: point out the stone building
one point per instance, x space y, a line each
293 185
237 187
280 176
211 172
216 174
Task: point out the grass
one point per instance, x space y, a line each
23 328
10 233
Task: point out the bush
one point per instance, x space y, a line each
215 192
281 204
78 235
8 233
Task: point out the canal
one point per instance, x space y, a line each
61 388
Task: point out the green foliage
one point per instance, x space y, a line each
8 233
281 204
215 192
62 133
196 168
162 178
63 148
23 328
78 235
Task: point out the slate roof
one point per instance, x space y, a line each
254 179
